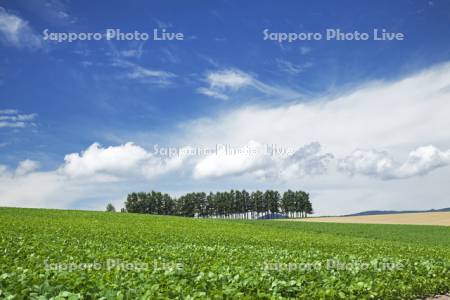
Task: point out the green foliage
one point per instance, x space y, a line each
219 258
110 208
232 204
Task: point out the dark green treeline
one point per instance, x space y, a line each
230 204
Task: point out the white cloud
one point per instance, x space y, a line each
380 164
223 83
232 161
422 161
54 190
16 32
17 117
397 115
212 93
8 111
116 162
232 79
26 166
264 162
366 162
23 187
95 175
290 68
3 170
12 124
34 190
12 119
144 75
306 161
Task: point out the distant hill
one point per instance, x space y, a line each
389 212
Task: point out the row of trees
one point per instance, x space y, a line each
230 204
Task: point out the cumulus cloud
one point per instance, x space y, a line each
381 165
96 174
117 162
309 160
232 161
396 115
23 168
264 162
16 32
366 162
26 166
13 119
422 161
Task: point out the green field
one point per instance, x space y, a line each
90 255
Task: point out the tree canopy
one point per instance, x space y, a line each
110 208
234 204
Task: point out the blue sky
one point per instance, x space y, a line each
61 98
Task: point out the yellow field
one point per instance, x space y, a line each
428 218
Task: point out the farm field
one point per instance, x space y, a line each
428 218
90 255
